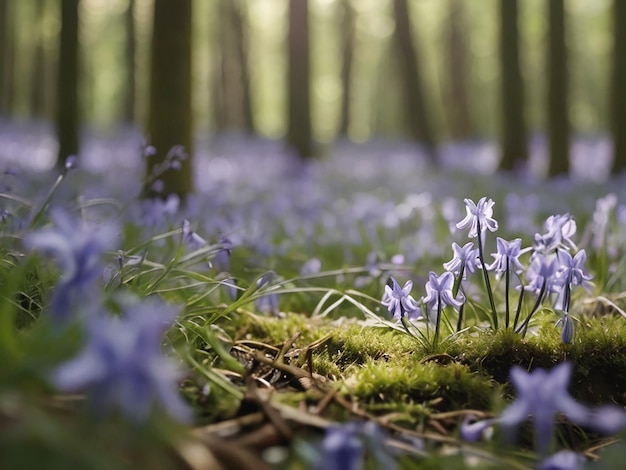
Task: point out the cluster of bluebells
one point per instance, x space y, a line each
346 446
554 269
121 366
542 394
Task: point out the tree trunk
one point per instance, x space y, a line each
416 108
299 132
128 111
4 55
232 98
513 131
67 115
618 87
237 19
458 104
170 122
39 80
348 37
558 122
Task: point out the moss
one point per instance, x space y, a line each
276 331
411 380
598 354
355 343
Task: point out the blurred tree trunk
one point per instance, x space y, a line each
220 56
6 56
618 87
513 133
67 107
558 121
130 52
299 133
416 109
170 122
348 37
232 97
458 104
4 22
237 19
39 81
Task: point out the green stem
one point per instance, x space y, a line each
458 280
46 201
519 306
506 295
494 315
523 327
459 323
438 321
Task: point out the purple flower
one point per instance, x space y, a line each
541 394
507 255
311 266
542 270
567 328
478 214
77 247
121 365
559 232
563 460
71 162
267 303
345 446
465 259
572 271
342 448
439 289
191 238
399 301
221 259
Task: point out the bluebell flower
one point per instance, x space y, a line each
345 447
567 328
311 266
439 289
221 259
269 302
71 162
560 229
399 301
342 448
542 270
600 220
507 256
541 394
479 219
121 365
478 214
78 248
572 270
563 460
465 259
191 238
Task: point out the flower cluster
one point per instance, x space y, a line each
541 394
78 248
121 365
552 273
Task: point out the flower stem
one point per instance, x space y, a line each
459 322
507 281
438 321
523 327
494 315
519 307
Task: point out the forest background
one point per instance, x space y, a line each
313 72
